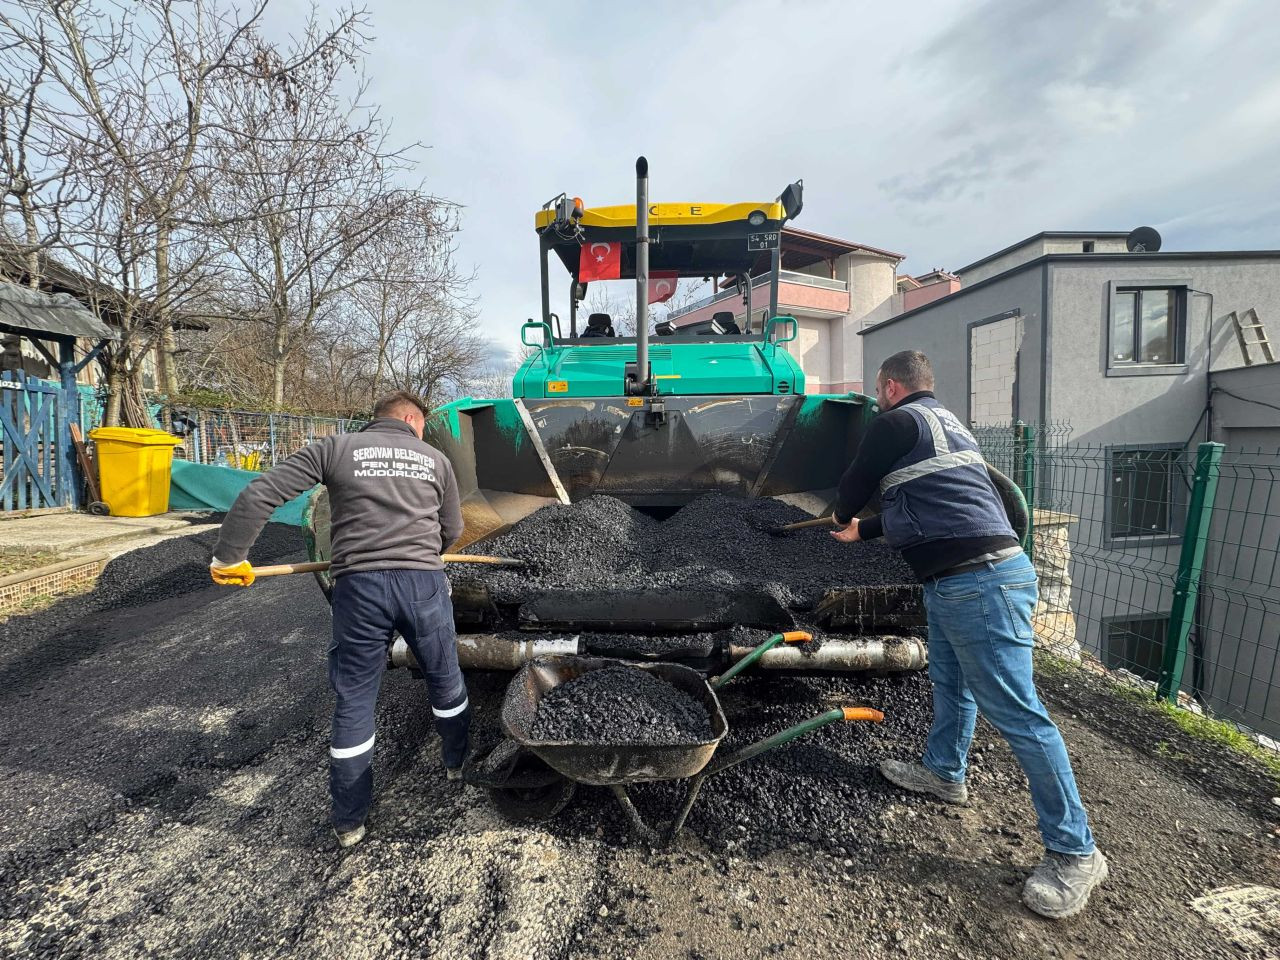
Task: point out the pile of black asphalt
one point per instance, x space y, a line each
716 541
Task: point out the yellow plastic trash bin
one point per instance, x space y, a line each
133 469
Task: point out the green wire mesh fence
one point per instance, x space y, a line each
1158 560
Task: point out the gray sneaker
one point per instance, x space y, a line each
349 838
1060 885
918 778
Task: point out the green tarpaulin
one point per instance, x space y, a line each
197 486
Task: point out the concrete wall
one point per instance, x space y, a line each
1132 578
1240 605
910 299
872 281
812 347
1100 245
941 332
1036 248
1240 408
1106 408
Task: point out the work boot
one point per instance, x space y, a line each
918 778
349 838
453 773
1060 885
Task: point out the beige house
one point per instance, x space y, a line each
832 287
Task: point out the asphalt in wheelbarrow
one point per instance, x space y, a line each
620 705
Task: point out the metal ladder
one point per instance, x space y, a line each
1250 321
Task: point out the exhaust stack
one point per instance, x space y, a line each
640 386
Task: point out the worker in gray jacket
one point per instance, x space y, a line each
395 509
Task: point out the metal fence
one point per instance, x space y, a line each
246 440
1161 560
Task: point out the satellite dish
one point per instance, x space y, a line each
1143 240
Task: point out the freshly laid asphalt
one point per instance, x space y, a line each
163 792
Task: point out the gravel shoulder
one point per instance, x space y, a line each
163 793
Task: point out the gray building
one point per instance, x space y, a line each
1125 350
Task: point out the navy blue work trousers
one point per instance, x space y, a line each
369 607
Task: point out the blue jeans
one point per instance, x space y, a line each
980 643
369 607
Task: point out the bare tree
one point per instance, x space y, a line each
408 272
305 183
139 81
35 189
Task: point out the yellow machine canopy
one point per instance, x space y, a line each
694 239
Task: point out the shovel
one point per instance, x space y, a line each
829 521
281 569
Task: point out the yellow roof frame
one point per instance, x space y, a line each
668 214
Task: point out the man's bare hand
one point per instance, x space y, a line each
847 534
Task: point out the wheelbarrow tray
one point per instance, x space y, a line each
600 764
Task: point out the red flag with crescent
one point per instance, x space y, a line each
662 285
600 261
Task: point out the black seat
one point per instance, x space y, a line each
599 325
723 323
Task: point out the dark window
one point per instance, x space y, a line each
1147 326
1136 646
1087 246
1146 489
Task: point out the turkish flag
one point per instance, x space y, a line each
600 261
662 285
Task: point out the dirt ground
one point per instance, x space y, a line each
163 793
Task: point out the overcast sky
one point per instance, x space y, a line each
942 130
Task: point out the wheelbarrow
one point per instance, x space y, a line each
530 779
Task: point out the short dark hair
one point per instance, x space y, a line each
911 368
398 403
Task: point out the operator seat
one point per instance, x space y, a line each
722 322
599 325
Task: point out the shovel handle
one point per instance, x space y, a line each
281 569
480 558
828 521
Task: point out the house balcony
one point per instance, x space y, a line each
798 293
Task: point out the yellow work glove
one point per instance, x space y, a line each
237 575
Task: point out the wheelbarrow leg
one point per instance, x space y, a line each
691 794
642 829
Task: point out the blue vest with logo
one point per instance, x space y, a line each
940 490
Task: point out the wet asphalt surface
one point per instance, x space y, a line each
163 793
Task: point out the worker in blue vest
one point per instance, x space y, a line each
940 509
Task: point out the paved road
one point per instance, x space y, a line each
162 793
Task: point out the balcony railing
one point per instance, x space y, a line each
786 276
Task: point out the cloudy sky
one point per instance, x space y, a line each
937 128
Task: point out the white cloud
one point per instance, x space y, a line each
1091 109
942 130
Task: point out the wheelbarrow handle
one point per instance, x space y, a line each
755 749
791 636
791 733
